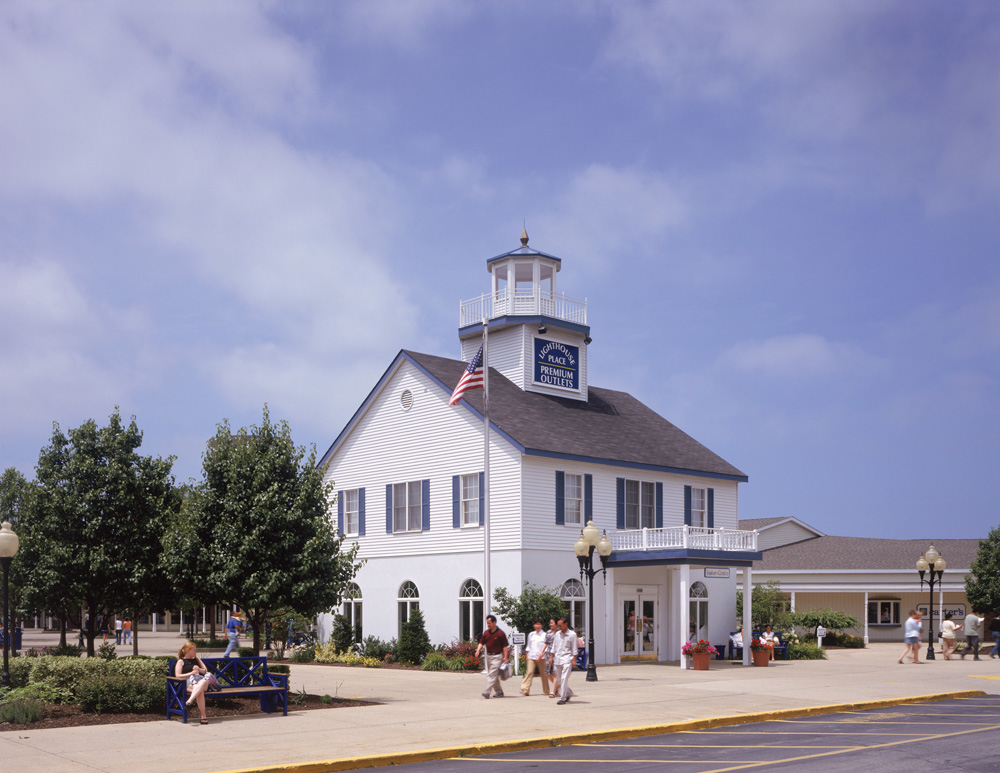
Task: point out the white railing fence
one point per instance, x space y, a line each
522 303
685 537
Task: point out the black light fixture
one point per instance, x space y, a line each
932 562
584 549
542 329
587 340
8 549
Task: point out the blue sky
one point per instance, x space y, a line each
783 216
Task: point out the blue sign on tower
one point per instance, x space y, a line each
557 364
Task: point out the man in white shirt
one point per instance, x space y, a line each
564 657
971 630
536 659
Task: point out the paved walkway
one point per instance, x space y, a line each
421 710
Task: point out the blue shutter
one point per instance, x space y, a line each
560 498
456 501
687 505
482 498
340 513
425 504
711 508
621 503
588 497
388 508
361 512
659 506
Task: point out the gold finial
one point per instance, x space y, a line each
524 237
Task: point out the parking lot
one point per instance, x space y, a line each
954 735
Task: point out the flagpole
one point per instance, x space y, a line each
487 590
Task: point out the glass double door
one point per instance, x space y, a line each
638 620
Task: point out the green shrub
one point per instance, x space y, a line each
21 712
38 692
245 652
436 661
326 698
69 651
343 634
211 644
414 643
805 651
107 651
848 640
120 694
64 673
279 668
326 653
374 647
20 671
305 653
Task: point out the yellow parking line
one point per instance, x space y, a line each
789 732
724 746
864 722
741 766
981 676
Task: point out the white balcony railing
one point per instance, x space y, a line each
521 303
686 537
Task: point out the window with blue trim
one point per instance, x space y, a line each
351 511
573 498
698 507
470 500
406 506
640 504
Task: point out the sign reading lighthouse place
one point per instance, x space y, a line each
557 364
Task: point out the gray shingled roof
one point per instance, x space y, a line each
749 524
866 553
610 425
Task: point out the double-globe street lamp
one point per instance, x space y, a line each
591 540
8 549
932 563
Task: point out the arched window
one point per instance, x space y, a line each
470 611
698 611
352 610
407 600
574 597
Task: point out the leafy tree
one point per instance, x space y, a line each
343 635
536 602
982 584
768 606
14 492
95 520
260 534
414 643
832 619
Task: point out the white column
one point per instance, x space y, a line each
866 618
203 613
610 643
793 602
153 617
683 592
747 604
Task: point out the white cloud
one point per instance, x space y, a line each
796 357
402 24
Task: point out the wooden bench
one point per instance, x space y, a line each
736 653
237 677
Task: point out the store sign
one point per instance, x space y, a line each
716 573
517 638
557 364
956 610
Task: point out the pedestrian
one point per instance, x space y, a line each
118 630
948 641
233 627
535 655
564 646
995 630
971 627
911 636
550 668
494 641
103 623
127 630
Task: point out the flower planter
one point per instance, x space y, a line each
701 660
761 657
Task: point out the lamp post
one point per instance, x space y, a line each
931 562
584 549
8 549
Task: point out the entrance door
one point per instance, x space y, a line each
638 618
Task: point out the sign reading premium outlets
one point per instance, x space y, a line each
557 364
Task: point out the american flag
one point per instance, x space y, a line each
471 379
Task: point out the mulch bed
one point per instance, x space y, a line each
70 715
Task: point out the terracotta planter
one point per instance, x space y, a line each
761 657
701 660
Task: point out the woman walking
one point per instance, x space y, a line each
911 636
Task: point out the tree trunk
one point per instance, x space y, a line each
62 631
212 612
135 637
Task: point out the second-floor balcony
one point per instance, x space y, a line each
683 538
522 303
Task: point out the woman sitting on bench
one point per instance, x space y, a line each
769 640
191 666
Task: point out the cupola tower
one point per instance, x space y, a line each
538 337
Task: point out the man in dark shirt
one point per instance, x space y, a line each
494 641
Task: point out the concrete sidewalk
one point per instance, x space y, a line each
421 710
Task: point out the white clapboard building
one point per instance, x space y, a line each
409 474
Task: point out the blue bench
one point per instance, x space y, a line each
238 677
780 648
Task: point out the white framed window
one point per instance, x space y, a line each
883 612
574 598
407 600
470 610
470 501
698 611
698 507
406 503
640 504
573 499
352 610
351 520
